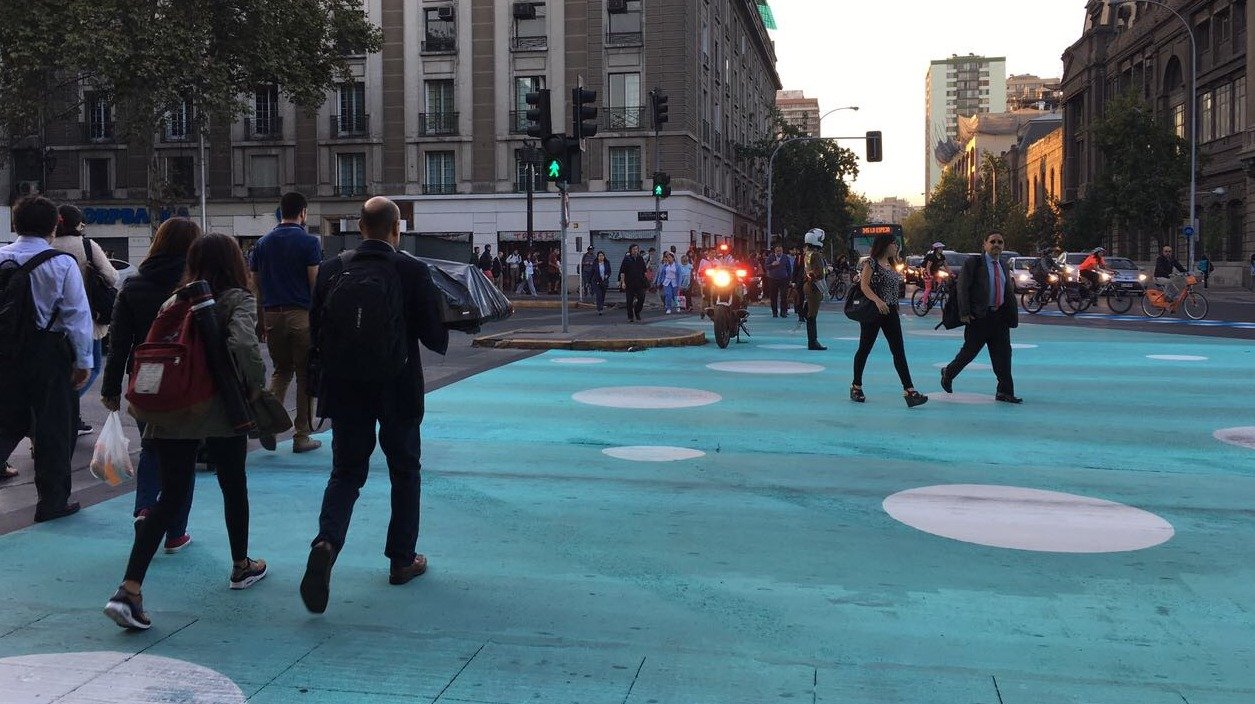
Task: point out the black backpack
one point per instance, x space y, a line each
361 327
17 304
100 294
950 318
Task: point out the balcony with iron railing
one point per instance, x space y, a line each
624 185
439 189
540 43
97 132
625 38
263 129
350 125
631 118
177 132
350 190
437 124
439 45
263 191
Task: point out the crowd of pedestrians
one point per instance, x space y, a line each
364 369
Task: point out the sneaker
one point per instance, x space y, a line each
83 428
401 575
305 444
248 575
316 584
127 610
174 545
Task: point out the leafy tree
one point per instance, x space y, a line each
1083 225
859 207
1145 167
809 184
915 232
949 216
147 57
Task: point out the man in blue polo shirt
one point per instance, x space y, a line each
285 264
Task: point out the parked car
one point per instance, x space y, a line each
914 272
125 270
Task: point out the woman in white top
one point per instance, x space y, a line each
69 239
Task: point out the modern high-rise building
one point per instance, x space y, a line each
436 120
799 110
891 210
960 86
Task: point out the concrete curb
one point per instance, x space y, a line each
532 303
505 341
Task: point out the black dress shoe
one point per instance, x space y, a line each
66 510
947 382
816 346
1008 398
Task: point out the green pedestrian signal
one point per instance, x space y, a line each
554 171
662 184
658 191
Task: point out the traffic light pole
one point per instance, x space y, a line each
562 263
657 201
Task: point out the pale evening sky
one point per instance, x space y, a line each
875 55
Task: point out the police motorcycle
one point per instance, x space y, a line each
726 297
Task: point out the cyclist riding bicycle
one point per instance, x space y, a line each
1045 265
1090 269
933 262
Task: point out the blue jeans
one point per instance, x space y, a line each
148 488
668 295
96 368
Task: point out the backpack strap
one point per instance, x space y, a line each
34 263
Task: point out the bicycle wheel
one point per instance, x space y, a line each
1032 302
841 288
1195 305
1119 302
1150 309
919 304
1072 301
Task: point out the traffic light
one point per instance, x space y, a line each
659 105
662 184
556 165
582 109
874 146
539 119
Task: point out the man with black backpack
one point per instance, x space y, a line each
45 351
370 373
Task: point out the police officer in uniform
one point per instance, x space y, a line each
816 271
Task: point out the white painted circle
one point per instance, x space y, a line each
763 366
962 398
1027 519
646 397
1242 436
847 339
105 676
1022 346
783 347
653 453
1177 357
577 360
975 365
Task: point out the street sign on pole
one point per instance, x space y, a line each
1188 232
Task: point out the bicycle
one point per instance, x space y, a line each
839 287
936 297
1155 303
1036 298
1078 297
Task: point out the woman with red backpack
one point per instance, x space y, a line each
217 260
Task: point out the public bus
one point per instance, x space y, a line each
861 237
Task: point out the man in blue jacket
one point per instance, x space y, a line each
779 268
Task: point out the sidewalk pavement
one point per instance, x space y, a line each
608 337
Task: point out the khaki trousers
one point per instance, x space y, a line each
287 334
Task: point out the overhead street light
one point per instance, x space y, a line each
771 163
1193 109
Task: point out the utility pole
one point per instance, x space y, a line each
562 264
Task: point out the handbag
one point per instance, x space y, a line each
859 308
272 418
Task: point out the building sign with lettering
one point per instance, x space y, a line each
648 216
127 216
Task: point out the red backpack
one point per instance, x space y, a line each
170 378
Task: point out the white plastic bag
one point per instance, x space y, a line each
111 462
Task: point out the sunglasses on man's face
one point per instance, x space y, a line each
995 241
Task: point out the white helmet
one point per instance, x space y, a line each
938 245
815 237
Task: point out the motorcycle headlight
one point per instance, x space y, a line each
1141 277
1104 277
720 278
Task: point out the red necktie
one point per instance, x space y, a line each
997 284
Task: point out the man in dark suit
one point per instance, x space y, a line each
634 279
356 406
986 300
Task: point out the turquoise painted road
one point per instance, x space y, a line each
1091 545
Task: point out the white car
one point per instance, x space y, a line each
125 271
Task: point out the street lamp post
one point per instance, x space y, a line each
771 163
1189 31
